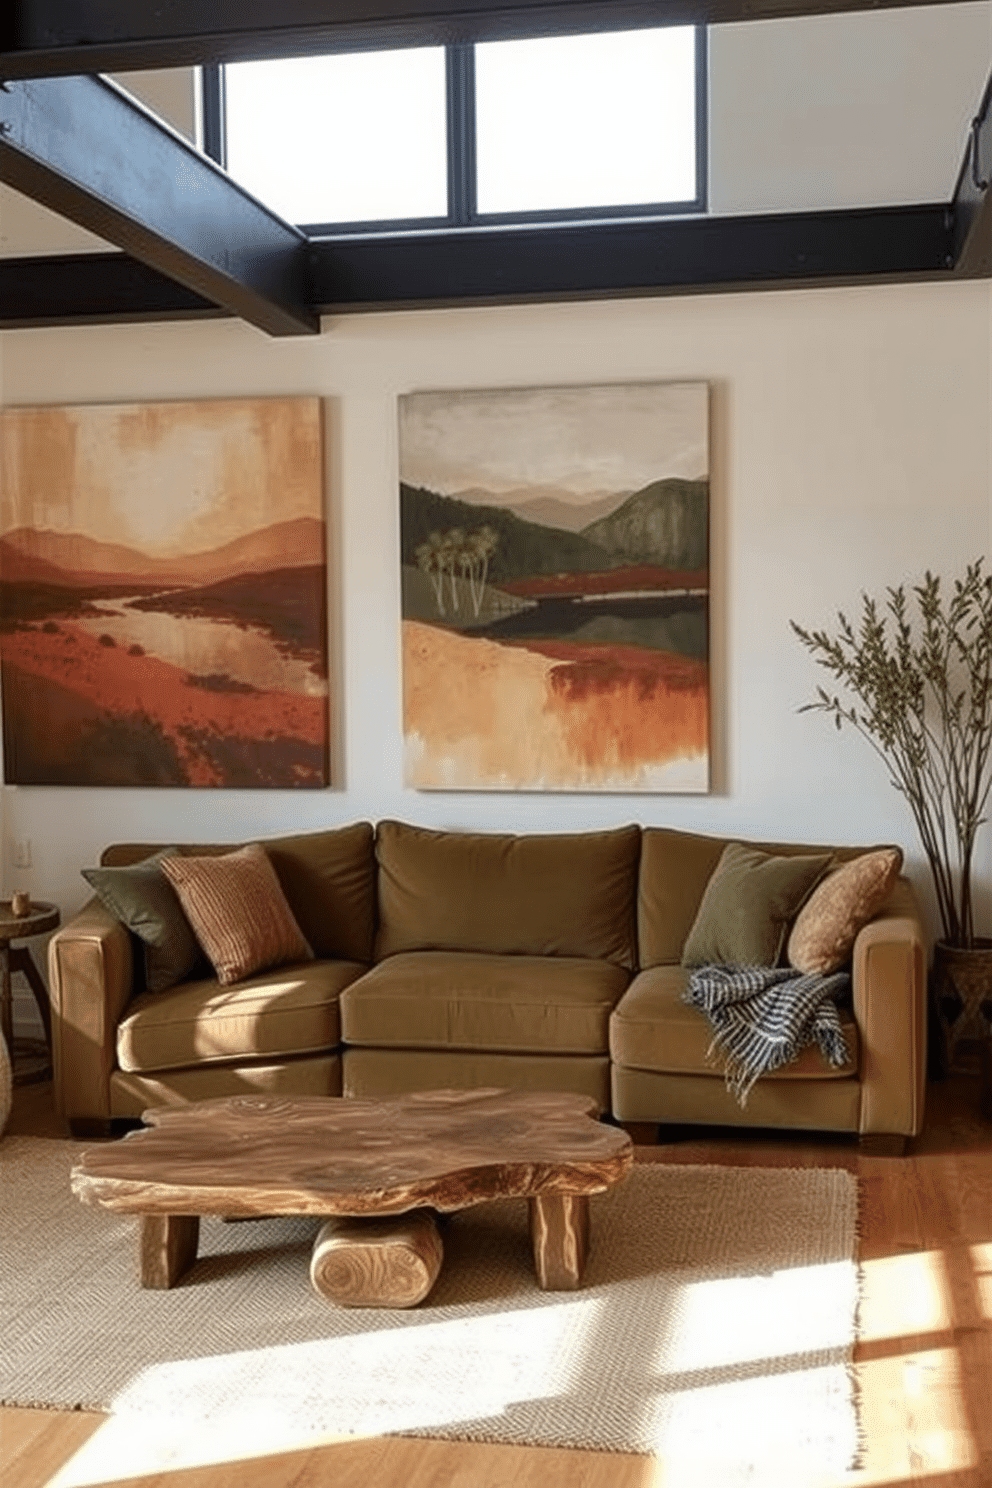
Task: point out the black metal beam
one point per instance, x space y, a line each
687 255
599 260
89 151
92 289
972 204
43 38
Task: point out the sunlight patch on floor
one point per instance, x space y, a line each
981 1260
914 1397
125 1448
904 1295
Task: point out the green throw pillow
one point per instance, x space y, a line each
141 897
749 902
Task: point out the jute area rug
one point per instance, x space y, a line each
717 1322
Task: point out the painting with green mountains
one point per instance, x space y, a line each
555 588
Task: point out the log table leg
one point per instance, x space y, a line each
559 1233
390 1262
167 1248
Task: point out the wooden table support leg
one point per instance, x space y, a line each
167 1248
22 961
391 1262
559 1233
6 998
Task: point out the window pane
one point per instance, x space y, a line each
356 137
586 121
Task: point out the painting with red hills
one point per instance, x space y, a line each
163 609
555 572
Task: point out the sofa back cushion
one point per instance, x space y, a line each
537 895
328 879
676 868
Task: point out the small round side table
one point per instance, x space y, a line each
39 919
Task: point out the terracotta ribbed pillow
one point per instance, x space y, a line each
238 912
828 924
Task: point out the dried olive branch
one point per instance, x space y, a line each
922 697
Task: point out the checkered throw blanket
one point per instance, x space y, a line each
763 1016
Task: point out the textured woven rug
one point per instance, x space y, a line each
717 1322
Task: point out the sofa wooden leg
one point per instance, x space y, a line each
641 1133
90 1128
882 1144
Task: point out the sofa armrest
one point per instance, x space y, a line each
90 974
890 1009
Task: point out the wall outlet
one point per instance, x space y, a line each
22 852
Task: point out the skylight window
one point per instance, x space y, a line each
564 127
586 121
354 137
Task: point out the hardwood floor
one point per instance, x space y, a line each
923 1365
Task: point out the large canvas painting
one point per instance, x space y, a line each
555 551
164 612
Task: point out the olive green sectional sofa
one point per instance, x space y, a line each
478 959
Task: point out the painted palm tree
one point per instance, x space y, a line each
454 543
482 545
430 557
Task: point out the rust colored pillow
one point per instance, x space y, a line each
238 911
827 926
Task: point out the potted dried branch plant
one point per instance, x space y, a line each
918 678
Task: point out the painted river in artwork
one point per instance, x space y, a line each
662 621
244 653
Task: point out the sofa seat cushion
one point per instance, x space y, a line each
293 1010
450 1000
653 1029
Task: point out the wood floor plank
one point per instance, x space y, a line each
34 1444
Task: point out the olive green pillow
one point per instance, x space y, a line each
747 906
141 897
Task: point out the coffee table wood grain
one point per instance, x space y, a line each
431 1151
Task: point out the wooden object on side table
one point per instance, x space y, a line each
38 920
364 1159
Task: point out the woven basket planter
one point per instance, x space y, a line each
961 989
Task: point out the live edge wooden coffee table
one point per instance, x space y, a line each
380 1170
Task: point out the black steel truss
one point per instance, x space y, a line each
972 206
205 247
48 37
591 260
89 151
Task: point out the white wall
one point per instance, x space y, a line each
851 450
862 109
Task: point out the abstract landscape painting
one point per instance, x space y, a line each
555 553
163 612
